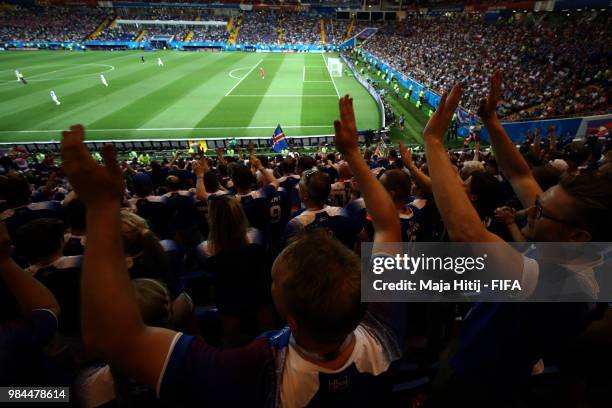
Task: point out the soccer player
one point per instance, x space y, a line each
54 98
160 63
103 80
262 73
142 59
20 77
402 122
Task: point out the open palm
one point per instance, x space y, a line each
96 185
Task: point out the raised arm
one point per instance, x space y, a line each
537 149
268 176
200 168
511 163
421 179
459 215
174 159
27 290
552 138
377 200
111 323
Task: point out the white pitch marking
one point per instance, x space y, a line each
231 73
247 74
166 129
331 77
283 96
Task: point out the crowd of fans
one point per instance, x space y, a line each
118 33
210 33
165 13
259 27
49 23
335 30
557 65
301 28
151 280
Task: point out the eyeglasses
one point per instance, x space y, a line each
540 214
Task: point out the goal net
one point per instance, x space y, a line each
334 67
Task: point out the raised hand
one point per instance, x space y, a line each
197 168
255 162
406 155
346 127
221 159
96 185
505 215
488 105
439 121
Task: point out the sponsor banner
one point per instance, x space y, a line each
548 5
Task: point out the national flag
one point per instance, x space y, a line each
465 118
278 140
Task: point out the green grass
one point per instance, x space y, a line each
195 95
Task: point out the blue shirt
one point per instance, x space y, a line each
256 205
21 349
269 372
156 211
182 205
63 279
337 221
416 226
16 217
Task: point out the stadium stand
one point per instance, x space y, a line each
233 278
49 23
557 66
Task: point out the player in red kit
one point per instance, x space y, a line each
262 73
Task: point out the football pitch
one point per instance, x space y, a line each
194 95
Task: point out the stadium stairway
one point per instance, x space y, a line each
140 36
234 33
322 28
349 29
279 30
103 26
190 34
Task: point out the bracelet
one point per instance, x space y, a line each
199 177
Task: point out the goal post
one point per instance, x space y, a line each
334 66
